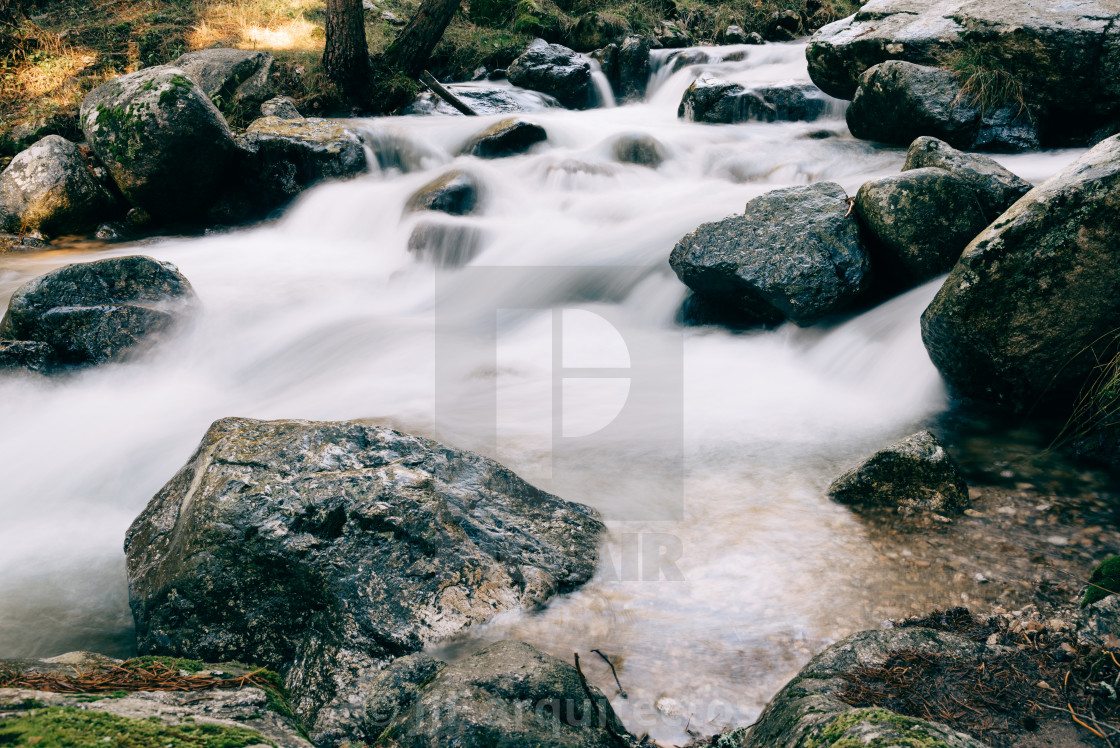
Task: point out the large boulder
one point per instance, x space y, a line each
919 222
913 474
166 145
795 254
325 550
26 355
556 71
995 187
234 79
810 712
506 137
227 704
1064 54
99 311
1030 309
899 101
508 695
717 101
51 189
633 68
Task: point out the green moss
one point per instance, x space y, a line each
67 727
126 130
1104 581
915 734
180 87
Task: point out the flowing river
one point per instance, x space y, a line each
708 451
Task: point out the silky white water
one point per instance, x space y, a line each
325 314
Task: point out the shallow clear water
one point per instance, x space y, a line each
710 451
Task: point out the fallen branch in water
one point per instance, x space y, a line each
437 88
610 664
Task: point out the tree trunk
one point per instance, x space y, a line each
346 56
410 51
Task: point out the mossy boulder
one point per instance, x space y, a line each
1029 311
557 71
166 145
795 253
238 81
508 695
506 137
1104 581
456 193
915 474
899 101
918 223
94 312
808 712
325 550
995 187
50 188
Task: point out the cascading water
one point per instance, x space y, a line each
326 314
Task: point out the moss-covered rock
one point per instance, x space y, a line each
919 222
51 189
913 474
1104 581
1030 310
456 193
166 145
238 81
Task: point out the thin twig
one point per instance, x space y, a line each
610 664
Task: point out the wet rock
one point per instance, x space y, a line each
716 101
643 150
607 57
395 689
232 78
50 188
699 311
166 145
246 708
633 68
808 711
1031 307
316 148
919 222
282 107
735 35
325 550
914 474
455 193
995 187
448 244
482 101
507 695
795 254
1063 54
782 26
31 242
94 312
26 355
505 138
680 60
556 71
900 101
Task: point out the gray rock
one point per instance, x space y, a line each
456 193
1031 307
671 35
914 474
782 25
247 707
282 107
448 244
796 254
556 71
716 101
595 30
507 696
643 150
735 35
1065 54
26 355
995 187
94 312
633 68
900 101
1098 625
482 101
505 138
325 550
316 148
50 188
919 222
395 689
232 78
809 712
165 144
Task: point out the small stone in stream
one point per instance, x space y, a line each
505 138
455 193
914 474
642 150
448 244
